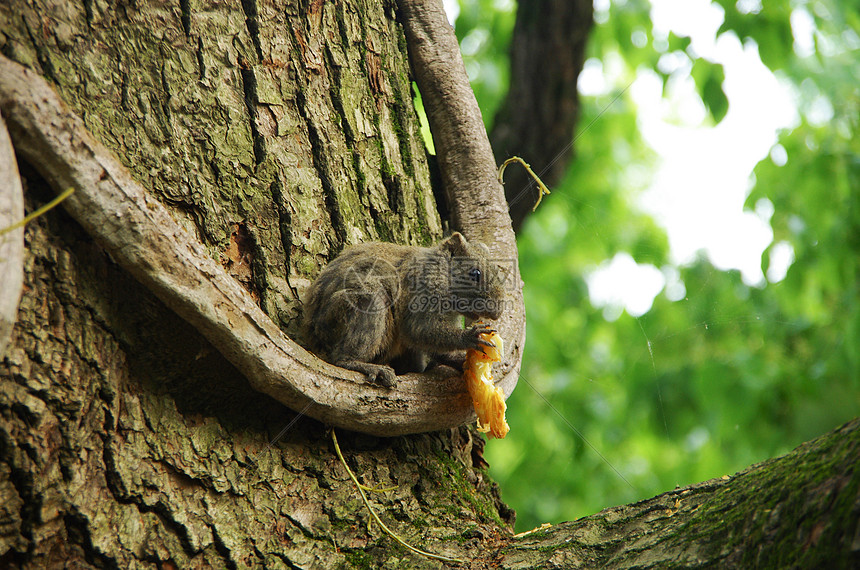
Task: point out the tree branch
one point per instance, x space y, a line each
475 196
539 114
800 510
143 238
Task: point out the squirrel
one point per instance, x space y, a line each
381 304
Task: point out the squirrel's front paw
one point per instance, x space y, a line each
384 376
473 335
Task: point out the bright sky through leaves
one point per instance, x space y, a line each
704 172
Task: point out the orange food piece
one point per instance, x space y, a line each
488 399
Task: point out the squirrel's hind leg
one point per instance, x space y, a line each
454 359
364 335
376 373
410 360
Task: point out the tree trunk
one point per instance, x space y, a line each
276 134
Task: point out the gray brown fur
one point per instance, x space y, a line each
381 302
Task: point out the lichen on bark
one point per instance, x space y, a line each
285 117
275 133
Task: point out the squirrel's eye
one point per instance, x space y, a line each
475 274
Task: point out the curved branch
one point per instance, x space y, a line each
143 238
12 242
469 174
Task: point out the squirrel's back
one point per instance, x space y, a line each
364 279
377 301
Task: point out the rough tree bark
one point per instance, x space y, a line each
276 133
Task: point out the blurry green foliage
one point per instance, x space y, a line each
709 80
611 411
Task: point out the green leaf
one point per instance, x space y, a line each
709 79
678 43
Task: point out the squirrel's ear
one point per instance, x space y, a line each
456 244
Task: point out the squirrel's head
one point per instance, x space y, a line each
477 282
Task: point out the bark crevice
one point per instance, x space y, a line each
249 88
252 23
